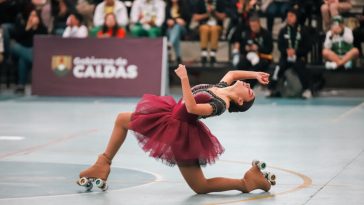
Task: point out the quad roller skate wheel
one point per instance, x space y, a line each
101 184
269 176
85 182
273 182
89 186
261 165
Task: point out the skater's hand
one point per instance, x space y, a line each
263 78
181 71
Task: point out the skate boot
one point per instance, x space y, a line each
97 173
255 179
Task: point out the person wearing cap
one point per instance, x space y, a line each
332 8
252 47
75 27
294 43
338 46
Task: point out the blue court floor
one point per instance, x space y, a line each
315 147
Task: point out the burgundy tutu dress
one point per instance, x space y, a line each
169 133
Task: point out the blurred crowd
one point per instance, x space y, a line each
208 21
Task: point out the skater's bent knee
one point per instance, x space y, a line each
200 190
199 187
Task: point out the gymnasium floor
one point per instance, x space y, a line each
315 147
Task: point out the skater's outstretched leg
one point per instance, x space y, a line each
199 184
253 179
101 168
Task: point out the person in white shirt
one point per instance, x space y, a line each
75 27
147 18
111 6
338 47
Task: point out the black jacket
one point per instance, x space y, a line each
25 38
263 39
201 9
301 43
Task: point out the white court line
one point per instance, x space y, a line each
349 112
158 178
11 138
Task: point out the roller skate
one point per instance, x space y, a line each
97 173
255 179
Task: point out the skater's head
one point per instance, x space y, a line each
242 98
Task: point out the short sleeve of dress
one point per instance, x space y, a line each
221 84
217 107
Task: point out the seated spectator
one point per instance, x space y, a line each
294 44
22 47
177 17
10 10
111 28
75 27
276 8
253 47
338 47
210 15
61 9
359 34
332 8
147 18
111 6
238 11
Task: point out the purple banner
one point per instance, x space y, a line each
98 67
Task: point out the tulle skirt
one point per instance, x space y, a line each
164 136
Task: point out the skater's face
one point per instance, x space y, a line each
244 92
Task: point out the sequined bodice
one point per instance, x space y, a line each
202 94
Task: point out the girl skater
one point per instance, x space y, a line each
173 133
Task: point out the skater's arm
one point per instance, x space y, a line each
204 109
235 75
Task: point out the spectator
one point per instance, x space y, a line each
238 11
359 34
338 47
75 27
294 44
276 8
177 17
332 8
253 47
111 28
61 9
22 47
210 15
111 6
147 17
10 10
